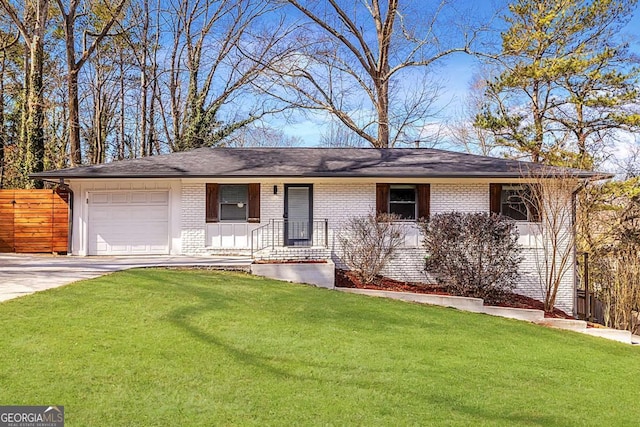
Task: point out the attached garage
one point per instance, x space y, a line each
127 222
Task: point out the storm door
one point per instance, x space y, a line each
298 208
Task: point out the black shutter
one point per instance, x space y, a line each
212 203
382 199
424 200
254 203
495 195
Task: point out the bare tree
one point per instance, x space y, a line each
70 13
368 63
461 129
143 38
257 134
125 136
550 198
56 116
369 242
337 136
609 220
7 42
32 27
219 49
630 164
102 101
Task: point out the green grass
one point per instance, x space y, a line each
166 347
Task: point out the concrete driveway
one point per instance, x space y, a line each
22 274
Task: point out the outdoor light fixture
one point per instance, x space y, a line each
275 189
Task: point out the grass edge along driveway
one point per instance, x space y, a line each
155 347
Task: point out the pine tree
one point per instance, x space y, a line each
565 80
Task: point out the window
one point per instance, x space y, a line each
409 201
514 201
233 201
402 201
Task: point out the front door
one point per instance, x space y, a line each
298 208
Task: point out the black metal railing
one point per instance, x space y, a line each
284 233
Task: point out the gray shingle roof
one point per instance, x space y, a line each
314 162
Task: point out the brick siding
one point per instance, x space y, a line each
193 219
339 202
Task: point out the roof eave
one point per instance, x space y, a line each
484 175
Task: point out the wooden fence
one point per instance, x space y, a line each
34 221
589 307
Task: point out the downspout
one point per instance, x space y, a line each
69 217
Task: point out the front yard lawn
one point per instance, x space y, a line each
160 347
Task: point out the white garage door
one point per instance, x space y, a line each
128 223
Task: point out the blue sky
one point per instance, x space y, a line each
455 74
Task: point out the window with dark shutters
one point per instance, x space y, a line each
516 201
232 202
409 201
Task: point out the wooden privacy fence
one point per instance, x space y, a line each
589 307
33 221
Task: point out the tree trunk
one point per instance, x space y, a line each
536 151
3 131
35 116
72 93
74 118
74 66
24 111
145 147
99 131
382 87
122 129
153 140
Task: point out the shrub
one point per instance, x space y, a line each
473 254
369 242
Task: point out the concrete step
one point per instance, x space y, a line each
568 324
611 334
528 315
461 303
318 274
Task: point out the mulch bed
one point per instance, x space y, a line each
345 279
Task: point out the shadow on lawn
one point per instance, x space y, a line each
210 300
483 415
306 310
